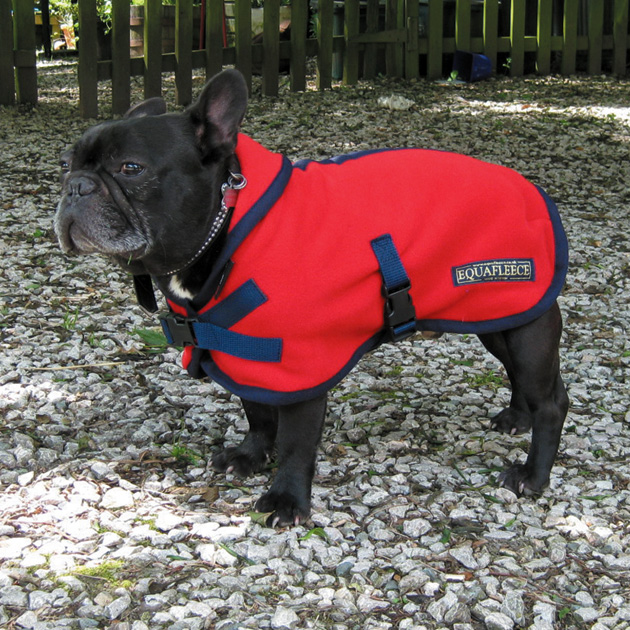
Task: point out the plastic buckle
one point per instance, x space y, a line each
400 314
178 330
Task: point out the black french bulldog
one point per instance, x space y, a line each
160 194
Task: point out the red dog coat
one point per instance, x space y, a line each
314 246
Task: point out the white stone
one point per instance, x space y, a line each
118 606
498 621
116 498
284 619
13 547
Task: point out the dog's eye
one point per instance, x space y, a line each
131 169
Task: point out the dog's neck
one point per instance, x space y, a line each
186 284
188 280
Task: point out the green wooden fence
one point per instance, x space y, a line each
353 39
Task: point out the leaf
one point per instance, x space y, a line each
316 531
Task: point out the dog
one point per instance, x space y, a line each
279 276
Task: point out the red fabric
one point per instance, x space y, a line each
311 254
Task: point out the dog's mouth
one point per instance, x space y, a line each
111 234
80 242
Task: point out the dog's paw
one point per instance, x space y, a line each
520 481
285 509
239 460
511 421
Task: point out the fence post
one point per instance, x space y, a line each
595 35
462 25
491 30
88 60
243 32
412 47
214 37
183 51
394 51
7 78
543 36
121 63
620 36
271 47
299 33
569 38
351 30
24 55
517 38
152 48
435 39
325 44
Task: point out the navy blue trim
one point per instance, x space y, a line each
346 157
271 397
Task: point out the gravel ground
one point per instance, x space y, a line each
109 514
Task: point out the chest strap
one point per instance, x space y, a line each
400 314
209 330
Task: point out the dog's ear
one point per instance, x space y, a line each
151 107
218 113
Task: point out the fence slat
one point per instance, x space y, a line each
299 34
412 49
620 36
121 57
351 30
215 24
462 25
595 35
325 44
88 60
434 39
569 35
25 59
517 38
183 51
243 39
371 50
490 30
152 48
271 47
543 33
7 79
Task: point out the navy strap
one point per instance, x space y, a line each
400 314
210 331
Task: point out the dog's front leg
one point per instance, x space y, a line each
299 430
253 453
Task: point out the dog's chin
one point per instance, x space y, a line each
131 246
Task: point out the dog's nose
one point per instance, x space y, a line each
81 186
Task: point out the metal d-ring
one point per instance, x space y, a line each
236 181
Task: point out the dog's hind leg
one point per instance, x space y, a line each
517 417
530 354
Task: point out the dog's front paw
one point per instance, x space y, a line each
511 421
521 482
240 460
285 508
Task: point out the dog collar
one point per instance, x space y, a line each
143 284
229 195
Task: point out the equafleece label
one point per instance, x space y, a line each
510 270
